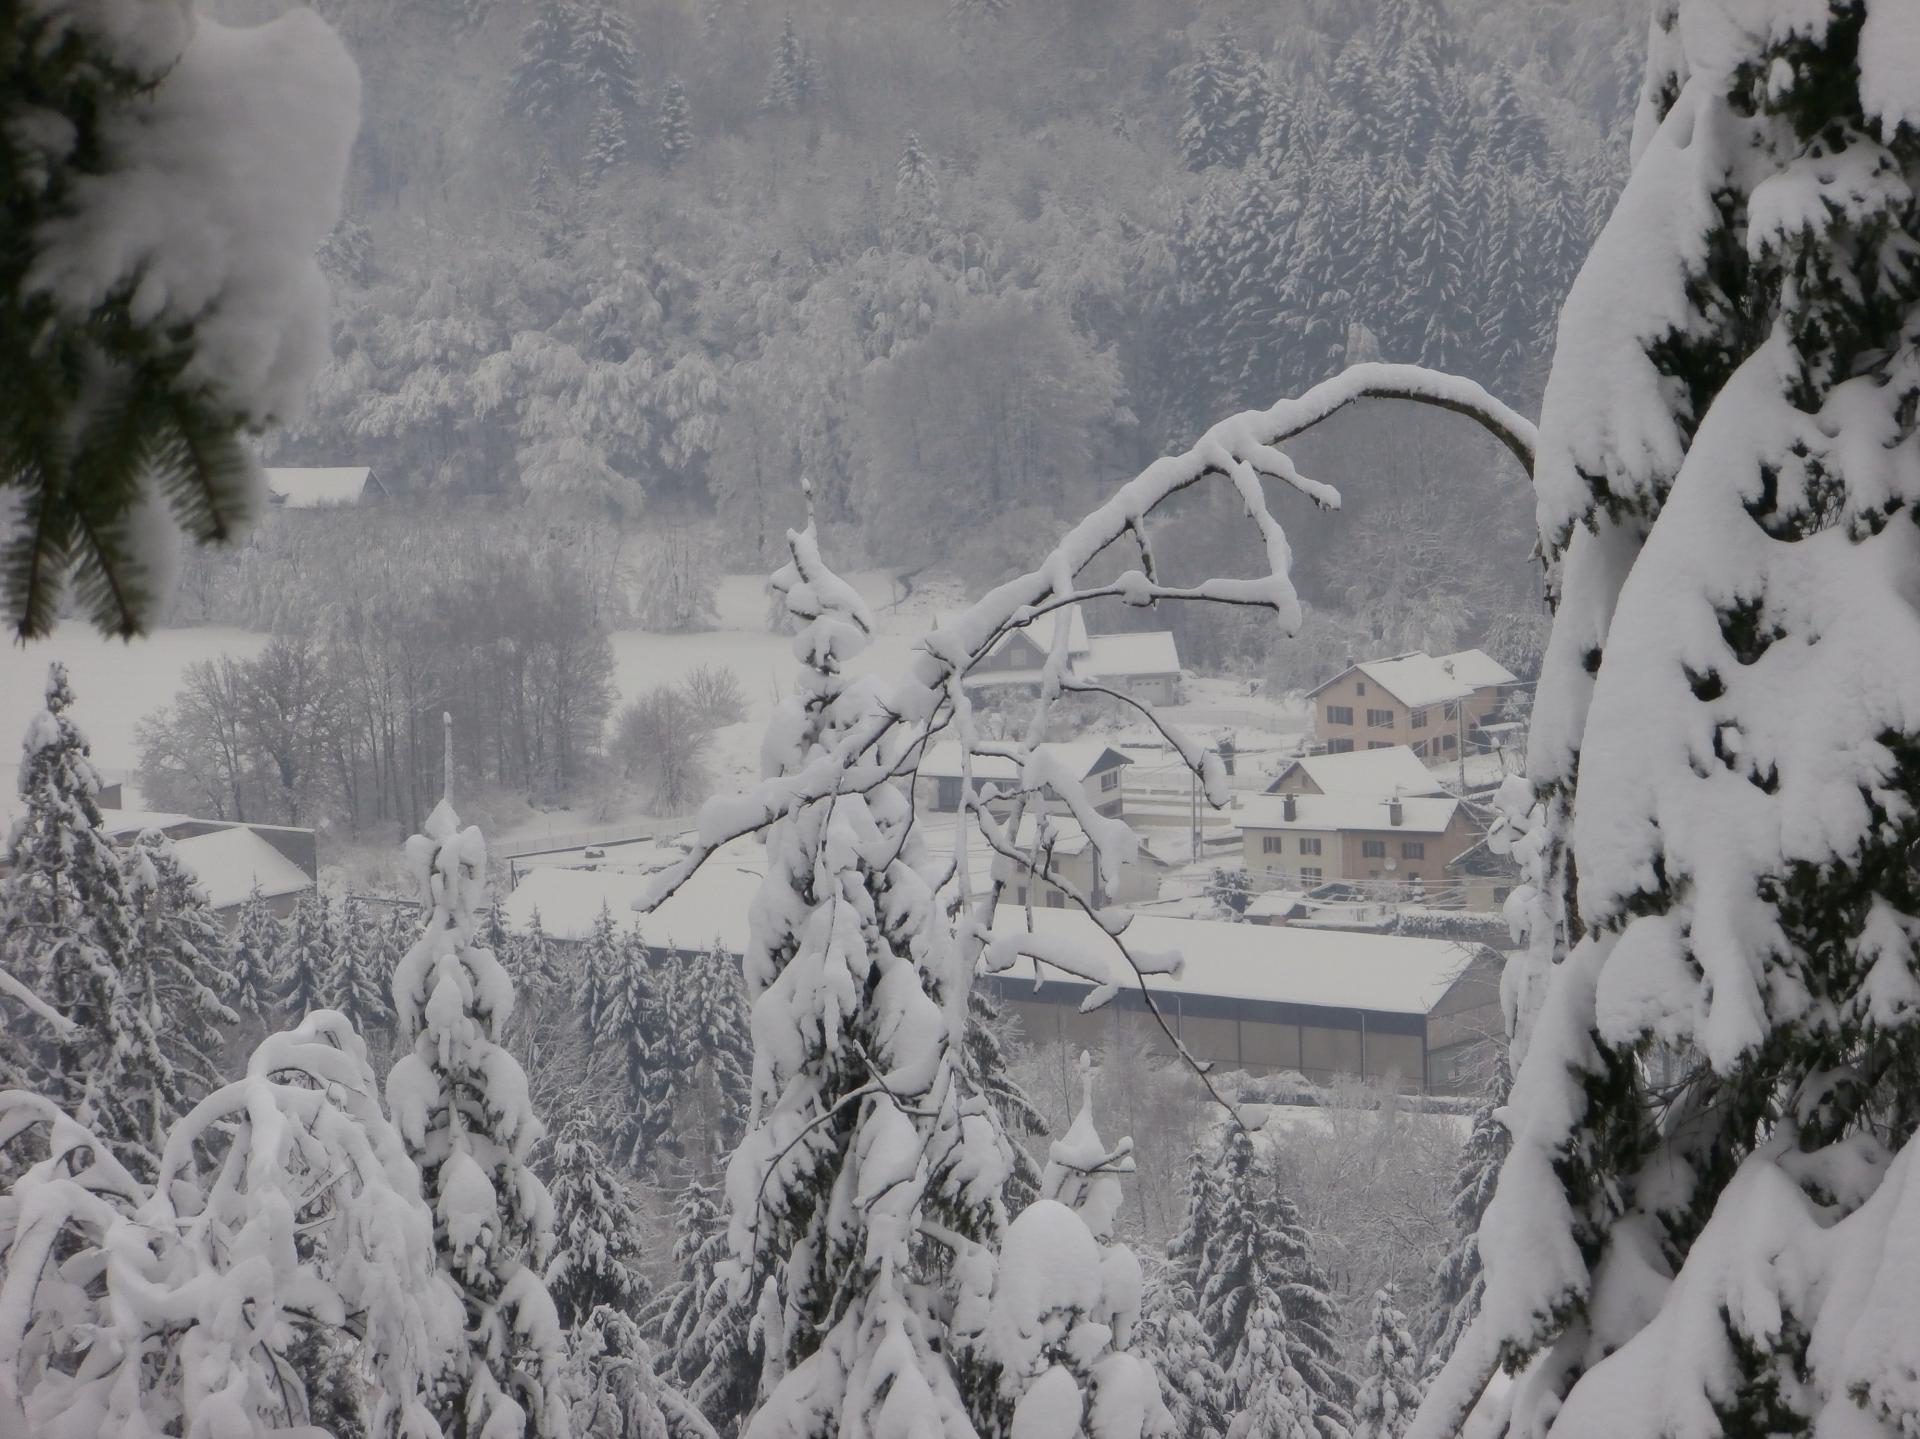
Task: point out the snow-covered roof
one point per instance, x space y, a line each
1415 679
1040 634
1394 770
116 823
1419 814
712 905
1477 668
1333 969
230 862
311 489
942 760
1070 839
1151 652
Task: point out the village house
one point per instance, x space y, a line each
1309 839
229 858
938 786
1395 769
335 487
1429 704
1070 856
1142 664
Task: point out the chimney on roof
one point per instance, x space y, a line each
1396 812
1289 808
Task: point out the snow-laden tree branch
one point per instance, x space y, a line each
1241 451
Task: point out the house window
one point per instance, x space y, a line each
1413 849
1339 714
1056 900
949 792
1309 875
1109 779
1446 741
1310 846
1419 719
1500 893
1271 843
1380 719
1339 746
1453 711
1421 749
1020 895
1359 687
1378 744
1373 849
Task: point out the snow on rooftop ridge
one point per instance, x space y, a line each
713 904
1419 814
317 488
1330 969
1415 679
1477 668
942 760
1147 652
1394 770
229 863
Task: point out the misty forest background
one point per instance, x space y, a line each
616 276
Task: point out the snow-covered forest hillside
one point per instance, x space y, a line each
960 720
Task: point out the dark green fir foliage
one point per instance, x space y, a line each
102 409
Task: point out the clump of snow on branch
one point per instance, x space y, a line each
286 1220
219 185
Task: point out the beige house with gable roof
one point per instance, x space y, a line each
1416 700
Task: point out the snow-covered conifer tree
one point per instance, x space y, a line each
365 969
548 74
1265 1305
606 141
1458 1285
712 1048
675 125
793 78
699 1323
863 1199
603 54
311 964
1702 1225
634 1034
601 972
596 1231
254 978
66 916
1061 1323
1389 1374
180 952
106 954
916 191
460 1102
1222 121
1172 1341
988 1031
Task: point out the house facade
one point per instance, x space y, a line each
1427 704
1308 839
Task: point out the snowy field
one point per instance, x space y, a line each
118 684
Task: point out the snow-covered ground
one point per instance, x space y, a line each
118 684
